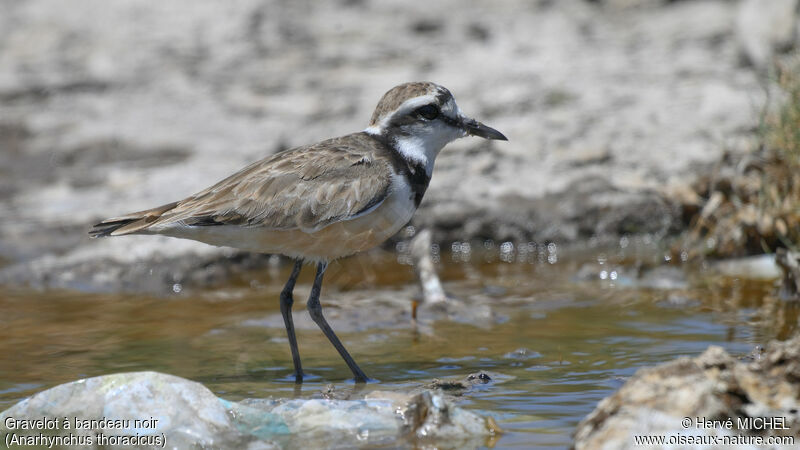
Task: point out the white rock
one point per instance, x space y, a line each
764 27
185 414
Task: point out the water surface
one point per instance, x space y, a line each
560 333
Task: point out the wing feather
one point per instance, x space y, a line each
305 188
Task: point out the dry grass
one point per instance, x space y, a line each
752 205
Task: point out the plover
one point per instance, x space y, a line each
323 201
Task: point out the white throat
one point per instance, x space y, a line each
417 150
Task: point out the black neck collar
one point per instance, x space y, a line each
414 171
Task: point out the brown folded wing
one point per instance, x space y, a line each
304 188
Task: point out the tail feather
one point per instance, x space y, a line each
130 223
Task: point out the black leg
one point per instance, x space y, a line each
315 309
286 310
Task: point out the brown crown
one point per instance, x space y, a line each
395 97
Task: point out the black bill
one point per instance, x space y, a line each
475 128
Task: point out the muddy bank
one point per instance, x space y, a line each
108 108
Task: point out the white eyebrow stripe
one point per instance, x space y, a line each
405 108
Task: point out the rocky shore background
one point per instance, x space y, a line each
611 108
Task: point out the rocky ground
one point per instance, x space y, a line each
720 396
111 107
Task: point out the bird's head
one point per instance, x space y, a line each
420 118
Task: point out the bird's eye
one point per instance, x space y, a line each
429 112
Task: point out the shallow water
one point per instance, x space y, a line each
556 334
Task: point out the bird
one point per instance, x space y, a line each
324 201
